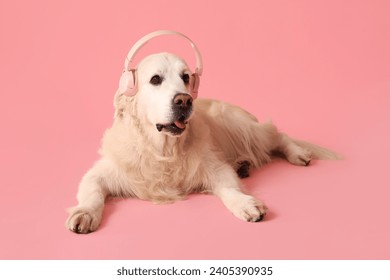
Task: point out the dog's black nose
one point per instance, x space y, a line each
182 101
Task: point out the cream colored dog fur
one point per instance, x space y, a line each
163 146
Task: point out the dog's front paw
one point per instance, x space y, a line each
83 220
249 209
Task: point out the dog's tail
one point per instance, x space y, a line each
318 152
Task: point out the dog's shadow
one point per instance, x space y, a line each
271 215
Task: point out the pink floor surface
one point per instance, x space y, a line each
319 69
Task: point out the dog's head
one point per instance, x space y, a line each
163 99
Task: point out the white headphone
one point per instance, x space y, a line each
128 80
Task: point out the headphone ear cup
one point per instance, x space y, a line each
194 85
128 83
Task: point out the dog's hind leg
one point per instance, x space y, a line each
300 152
293 152
87 215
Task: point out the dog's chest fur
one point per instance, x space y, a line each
160 170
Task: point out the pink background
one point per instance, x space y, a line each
319 69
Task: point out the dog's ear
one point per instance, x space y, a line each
119 104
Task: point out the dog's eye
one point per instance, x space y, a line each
185 78
156 80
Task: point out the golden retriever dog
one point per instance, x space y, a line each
164 145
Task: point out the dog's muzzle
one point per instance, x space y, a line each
181 112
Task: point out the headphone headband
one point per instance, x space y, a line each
137 46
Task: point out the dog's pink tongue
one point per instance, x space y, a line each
180 125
